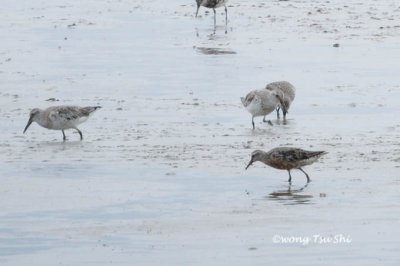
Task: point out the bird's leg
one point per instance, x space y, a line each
64 137
284 114
308 178
290 177
215 18
301 189
226 16
267 121
277 112
252 121
197 11
80 133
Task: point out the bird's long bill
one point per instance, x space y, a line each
29 123
250 163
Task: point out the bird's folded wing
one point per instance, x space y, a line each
65 113
291 155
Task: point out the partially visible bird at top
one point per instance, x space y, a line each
261 103
61 117
213 4
287 91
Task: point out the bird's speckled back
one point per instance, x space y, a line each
286 87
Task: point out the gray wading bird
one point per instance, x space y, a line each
61 117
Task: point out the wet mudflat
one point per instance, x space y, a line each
159 177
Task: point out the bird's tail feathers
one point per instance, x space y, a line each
319 153
91 109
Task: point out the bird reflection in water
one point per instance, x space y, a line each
291 196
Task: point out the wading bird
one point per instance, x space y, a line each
286 158
261 103
61 117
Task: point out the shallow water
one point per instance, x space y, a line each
159 177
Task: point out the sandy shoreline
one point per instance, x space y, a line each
159 178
